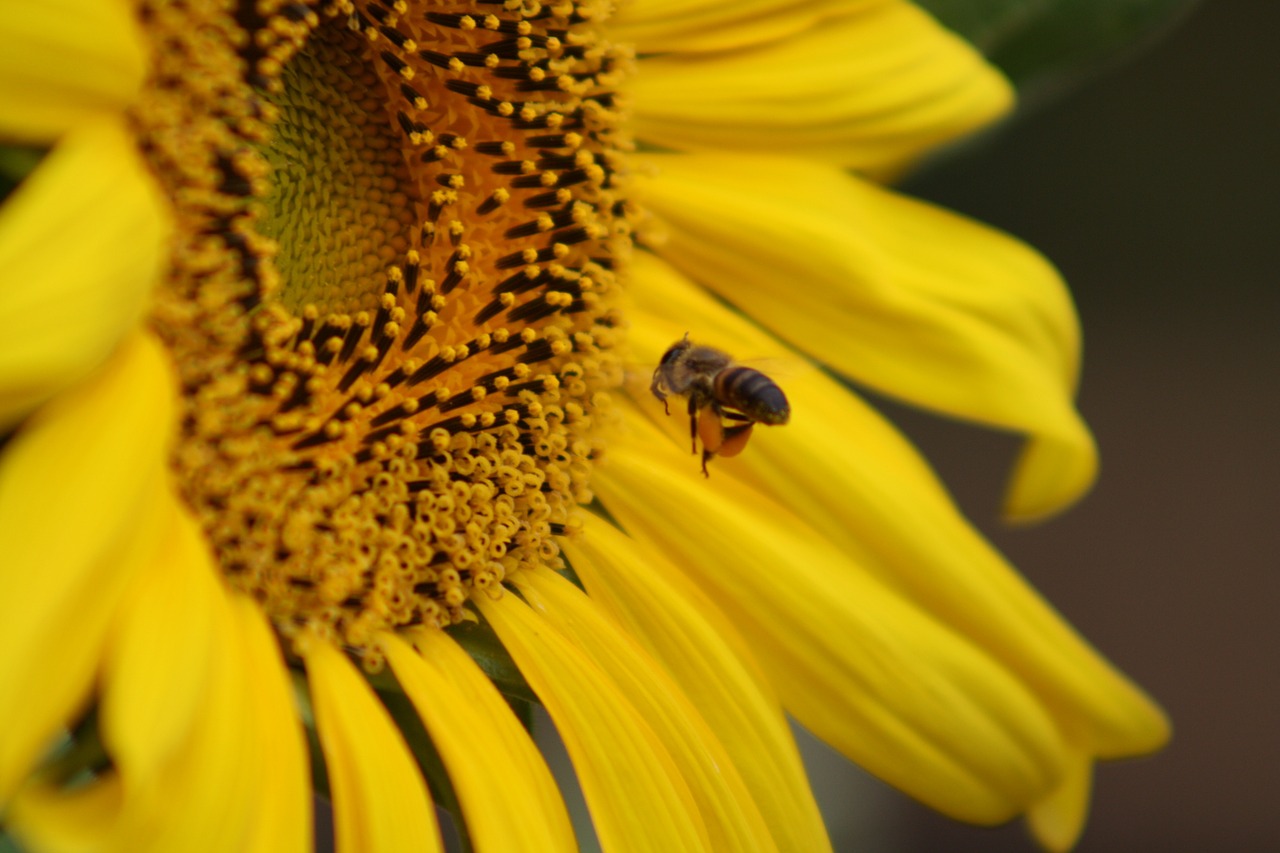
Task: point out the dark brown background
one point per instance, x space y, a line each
1156 189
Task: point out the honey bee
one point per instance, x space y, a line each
725 399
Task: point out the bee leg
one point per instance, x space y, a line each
735 439
710 430
658 390
732 430
693 423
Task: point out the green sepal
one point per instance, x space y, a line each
479 641
79 756
16 162
302 697
523 709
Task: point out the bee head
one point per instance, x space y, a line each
673 352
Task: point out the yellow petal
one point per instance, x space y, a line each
909 299
158 659
839 465
79 820
198 789
92 459
866 91
284 821
82 241
65 62
730 814
703 652
658 26
380 800
637 798
1057 821
207 794
507 795
859 665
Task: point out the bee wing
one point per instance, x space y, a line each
778 368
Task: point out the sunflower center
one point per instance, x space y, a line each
391 304
342 203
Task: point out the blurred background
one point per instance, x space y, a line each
1155 188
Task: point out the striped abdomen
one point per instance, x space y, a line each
751 392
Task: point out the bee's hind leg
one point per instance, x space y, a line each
711 431
735 439
693 423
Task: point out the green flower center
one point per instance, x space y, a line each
392 299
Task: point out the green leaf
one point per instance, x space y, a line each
1047 44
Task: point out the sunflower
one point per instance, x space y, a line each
332 457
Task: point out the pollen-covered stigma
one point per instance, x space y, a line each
391 296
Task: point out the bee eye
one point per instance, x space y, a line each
669 355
